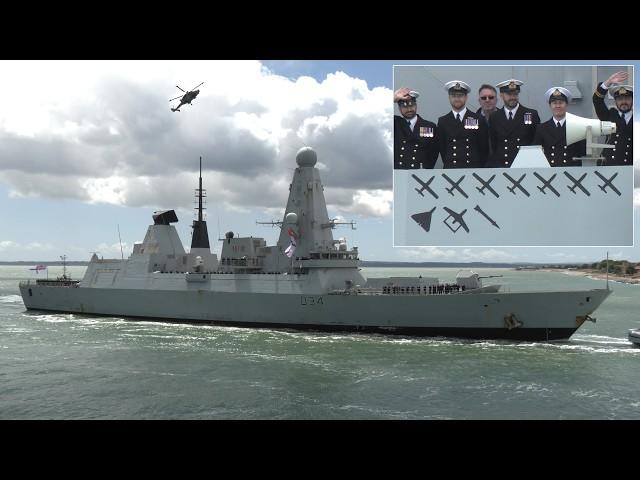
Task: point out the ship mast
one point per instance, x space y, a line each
200 238
64 267
200 193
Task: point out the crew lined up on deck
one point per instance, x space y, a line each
440 289
491 137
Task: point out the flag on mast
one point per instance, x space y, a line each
293 243
39 268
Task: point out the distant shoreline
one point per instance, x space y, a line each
45 262
595 274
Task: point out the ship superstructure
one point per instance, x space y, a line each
307 280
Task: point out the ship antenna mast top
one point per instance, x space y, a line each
200 193
64 266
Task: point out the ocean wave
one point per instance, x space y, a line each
626 348
10 299
602 339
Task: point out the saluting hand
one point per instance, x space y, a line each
616 78
401 94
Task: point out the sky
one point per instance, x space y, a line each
90 149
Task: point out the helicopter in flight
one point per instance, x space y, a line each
188 97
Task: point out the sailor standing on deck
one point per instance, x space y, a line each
622 116
511 126
464 141
552 134
415 141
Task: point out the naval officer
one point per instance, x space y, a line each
415 140
464 141
552 134
622 116
511 126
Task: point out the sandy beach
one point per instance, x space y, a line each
596 275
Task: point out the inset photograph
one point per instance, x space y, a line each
542 153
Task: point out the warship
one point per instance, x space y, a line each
307 281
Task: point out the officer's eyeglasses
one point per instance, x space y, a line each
487 98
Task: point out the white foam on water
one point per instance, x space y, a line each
10 299
52 318
624 347
601 339
532 388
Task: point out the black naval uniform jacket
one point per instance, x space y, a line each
465 143
506 136
417 148
622 154
486 121
482 117
554 144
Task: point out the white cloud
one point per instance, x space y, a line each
106 190
428 254
113 250
562 256
491 255
372 203
467 255
102 131
38 246
12 249
8 244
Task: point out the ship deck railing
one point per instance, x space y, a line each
410 291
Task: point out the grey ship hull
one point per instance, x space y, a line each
543 315
307 280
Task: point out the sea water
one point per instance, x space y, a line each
69 366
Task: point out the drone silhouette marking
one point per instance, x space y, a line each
455 185
577 184
607 183
485 184
425 186
516 184
424 219
546 184
457 218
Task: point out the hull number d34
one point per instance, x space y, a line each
304 300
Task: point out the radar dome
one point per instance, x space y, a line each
306 157
291 218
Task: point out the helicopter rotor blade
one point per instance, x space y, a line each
180 88
179 96
195 87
